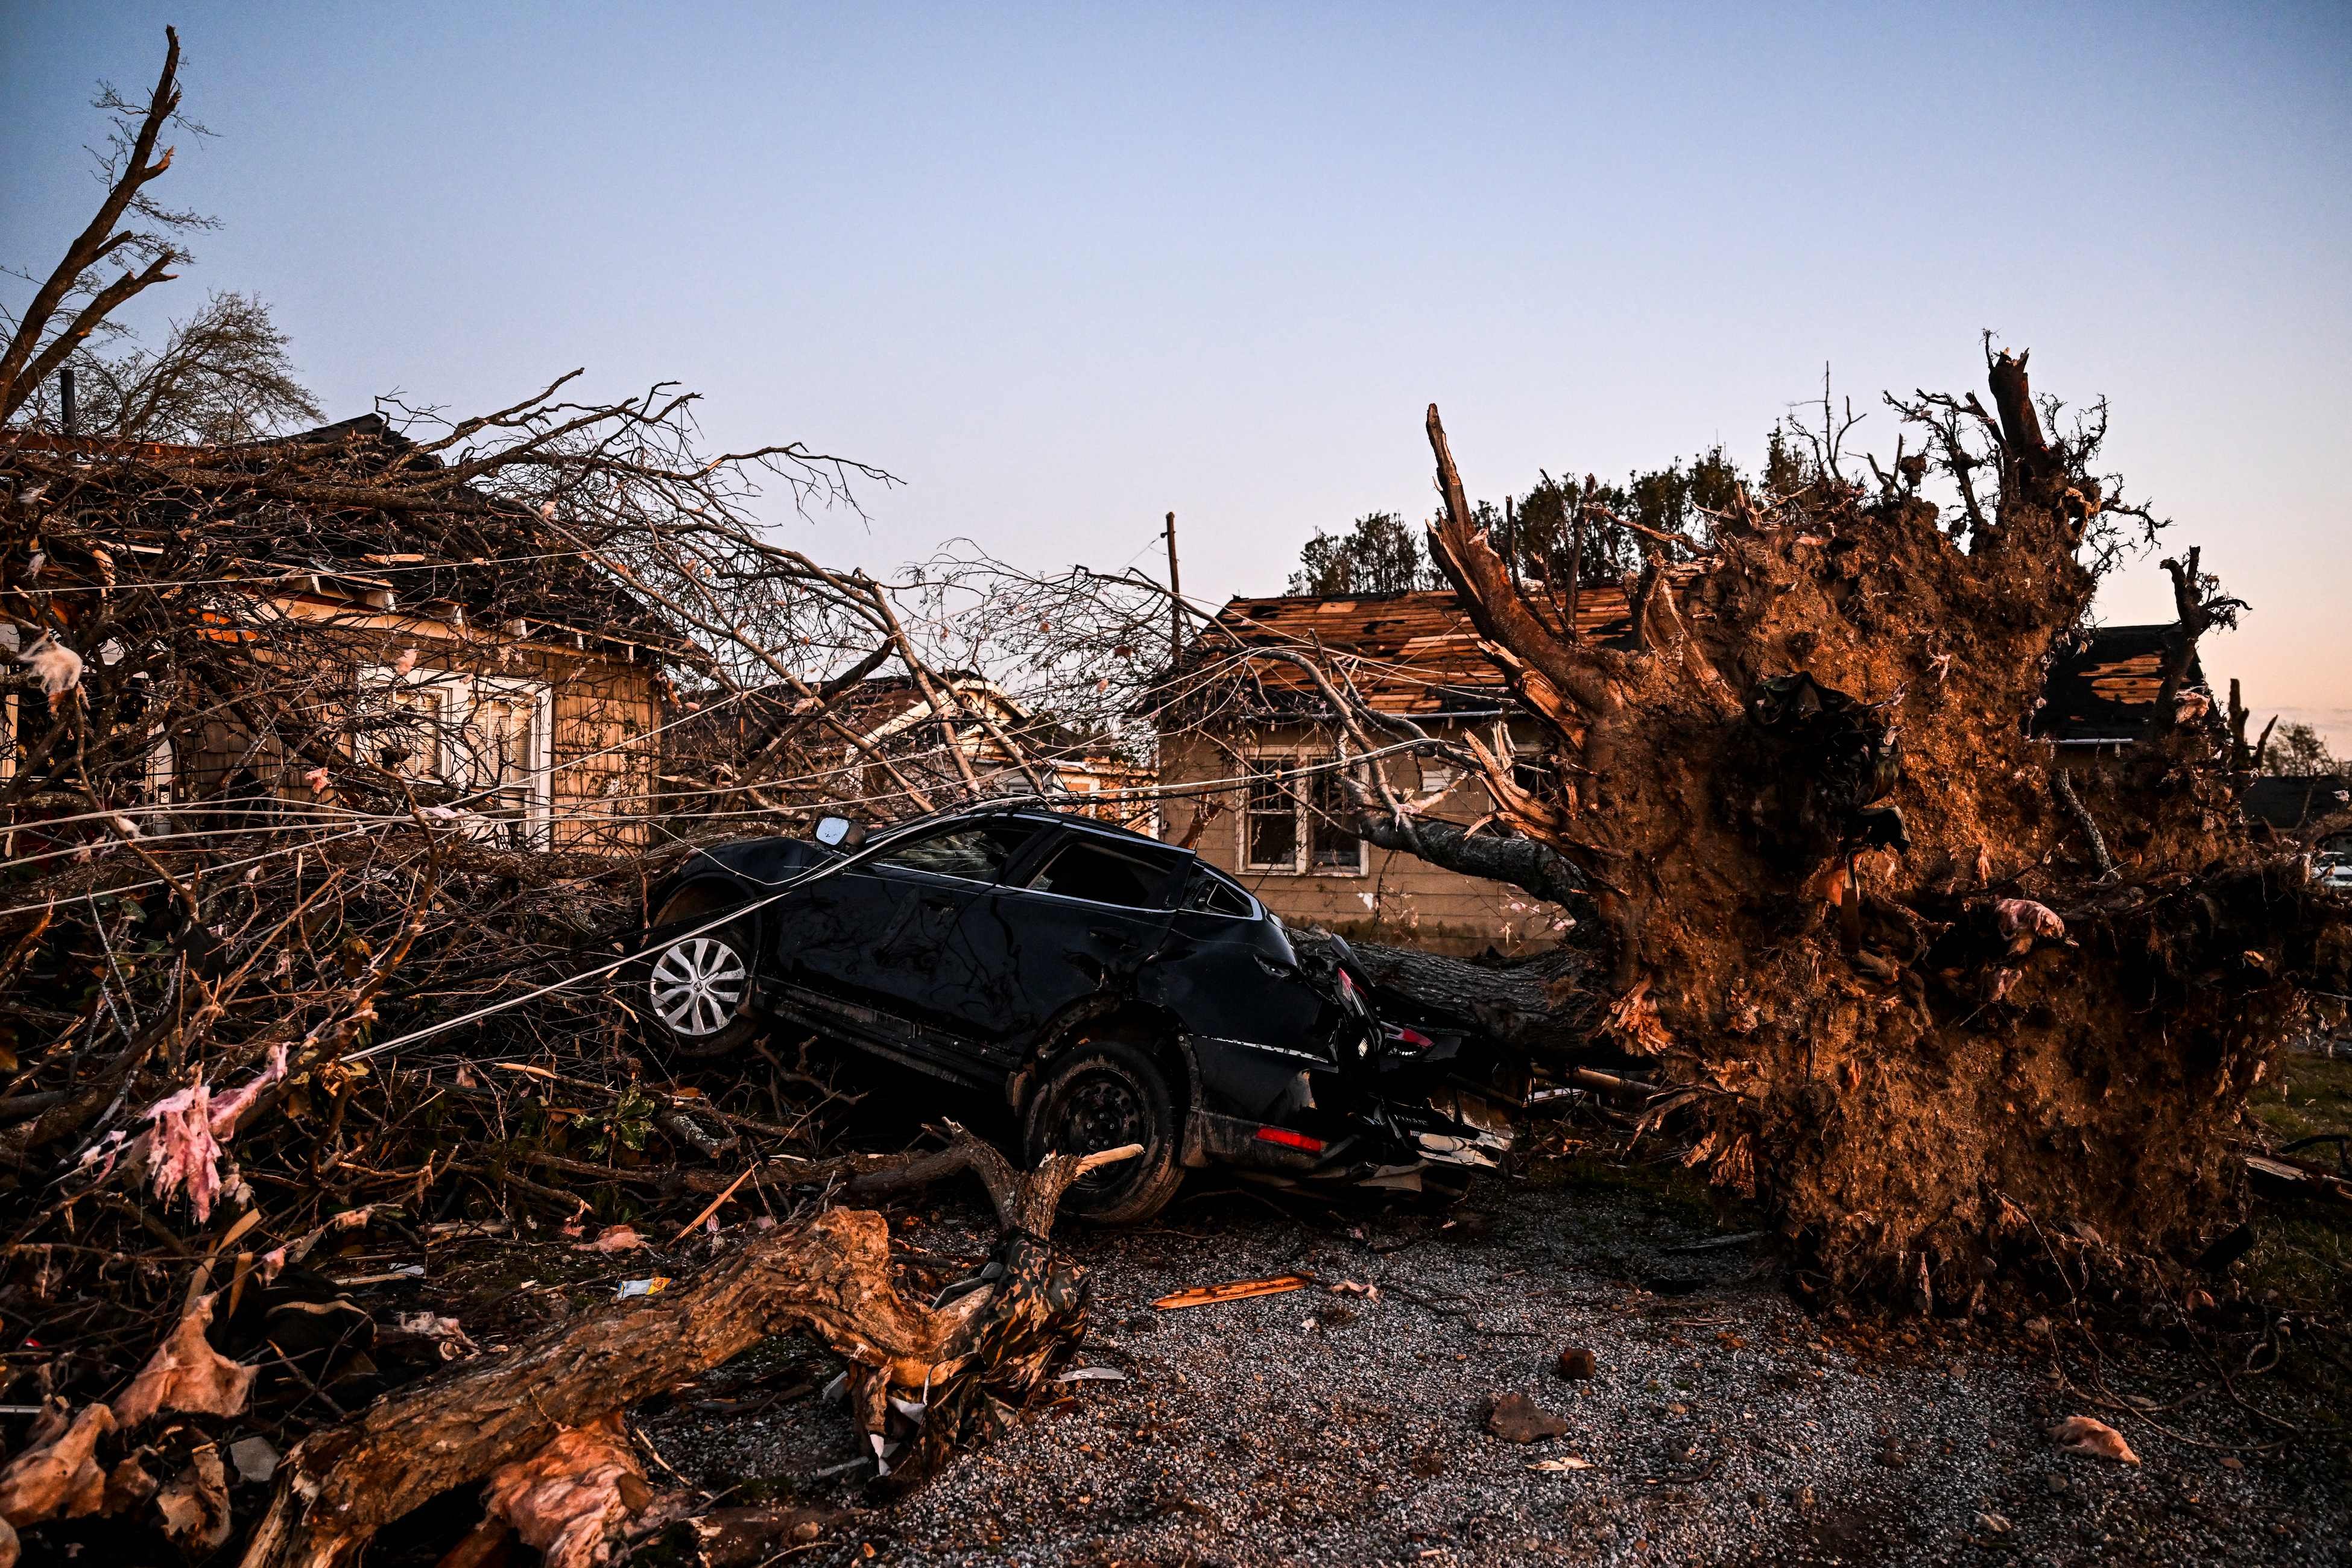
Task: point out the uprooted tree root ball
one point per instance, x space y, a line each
1953 1013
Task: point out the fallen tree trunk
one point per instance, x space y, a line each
983 1351
1543 1008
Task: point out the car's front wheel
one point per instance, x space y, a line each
1103 1094
699 993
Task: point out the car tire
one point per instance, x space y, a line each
699 992
1102 1094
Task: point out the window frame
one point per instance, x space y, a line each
1303 819
1022 852
461 694
1251 909
1171 891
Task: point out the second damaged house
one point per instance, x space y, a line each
1245 727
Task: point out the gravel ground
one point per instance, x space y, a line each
1722 1425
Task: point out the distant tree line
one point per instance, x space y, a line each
1559 531
2298 751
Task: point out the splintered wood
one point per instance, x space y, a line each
1231 1290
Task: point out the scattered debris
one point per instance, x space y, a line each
2280 1173
921 1381
190 1130
1516 1418
1715 1243
755 1537
632 1289
2024 921
127 1485
56 1475
186 1374
2082 1434
566 1499
449 1339
57 666
1577 1365
1231 1290
255 1459
1562 1462
615 1239
195 1506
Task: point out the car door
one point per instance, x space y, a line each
1233 975
1089 910
883 940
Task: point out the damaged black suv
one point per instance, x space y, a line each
1108 988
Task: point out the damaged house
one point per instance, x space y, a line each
1246 731
2101 696
2314 809
346 637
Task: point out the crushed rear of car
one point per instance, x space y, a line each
1104 988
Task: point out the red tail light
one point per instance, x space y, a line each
1414 1037
1289 1139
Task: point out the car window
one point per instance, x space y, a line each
1106 873
978 851
1218 895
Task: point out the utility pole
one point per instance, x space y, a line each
1175 598
66 401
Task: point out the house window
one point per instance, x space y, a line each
402 726
1294 821
500 756
1270 826
484 743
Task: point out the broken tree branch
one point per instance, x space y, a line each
339 1487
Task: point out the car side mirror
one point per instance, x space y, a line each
839 833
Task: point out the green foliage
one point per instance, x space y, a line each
1381 554
626 1125
1672 500
1787 468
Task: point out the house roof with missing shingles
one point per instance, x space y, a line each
485 558
1408 653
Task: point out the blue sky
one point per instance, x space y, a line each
1064 269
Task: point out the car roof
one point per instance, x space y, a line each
1072 818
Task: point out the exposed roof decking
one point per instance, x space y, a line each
1408 653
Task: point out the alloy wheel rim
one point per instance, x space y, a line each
1103 1110
698 986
